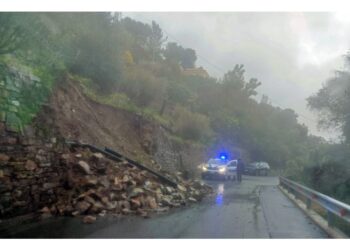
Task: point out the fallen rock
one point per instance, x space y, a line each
136 192
169 190
192 199
103 213
181 188
82 206
84 167
166 201
91 180
152 202
161 209
89 219
97 156
75 213
45 210
50 185
126 178
126 211
116 181
30 165
135 202
4 158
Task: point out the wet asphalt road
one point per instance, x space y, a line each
255 208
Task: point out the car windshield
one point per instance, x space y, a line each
216 162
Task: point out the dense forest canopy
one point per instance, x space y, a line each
133 62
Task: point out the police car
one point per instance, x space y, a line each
220 168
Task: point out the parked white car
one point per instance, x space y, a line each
219 169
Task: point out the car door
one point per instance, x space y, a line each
232 166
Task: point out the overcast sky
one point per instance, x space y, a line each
291 53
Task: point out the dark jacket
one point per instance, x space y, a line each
240 167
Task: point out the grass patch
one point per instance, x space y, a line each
120 101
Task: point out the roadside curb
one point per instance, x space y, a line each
316 218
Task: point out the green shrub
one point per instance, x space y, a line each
192 126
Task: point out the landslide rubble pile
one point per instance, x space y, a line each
97 185
53 179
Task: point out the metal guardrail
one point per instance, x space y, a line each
119 158
331 205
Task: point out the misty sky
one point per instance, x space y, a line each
291 53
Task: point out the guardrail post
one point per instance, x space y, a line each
308 203
330 218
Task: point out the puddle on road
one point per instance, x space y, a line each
220 194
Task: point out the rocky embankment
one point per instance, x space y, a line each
55 180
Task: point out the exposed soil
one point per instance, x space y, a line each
77 117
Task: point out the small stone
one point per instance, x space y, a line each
143 213
181 188
97 207
105 200
169 190
118 187
135 202
116 181
49 185
82 206
75 213
12 140
112 205
192 199
84 167
78 155
30 165
152 202
162 209
136 192
126 211
91 181
4 158
98 155
166 201
103 213
45 210
53 210
89 199
148 184
89 219
126 178
104 182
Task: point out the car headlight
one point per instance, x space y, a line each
204 168
222 170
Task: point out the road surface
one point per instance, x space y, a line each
255 208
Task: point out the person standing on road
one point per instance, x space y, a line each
240 169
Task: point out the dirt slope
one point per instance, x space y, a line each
79 118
